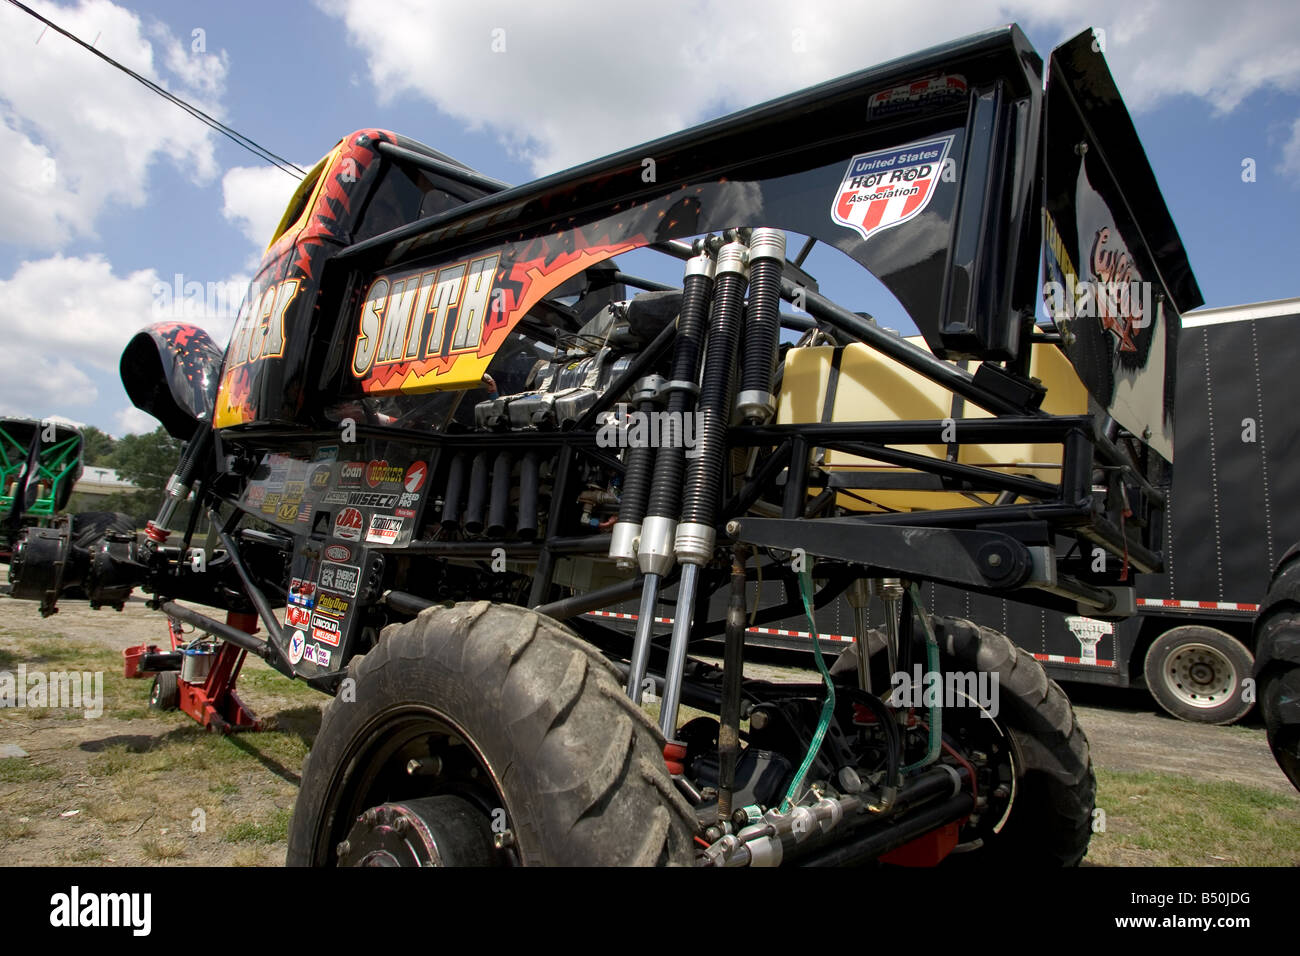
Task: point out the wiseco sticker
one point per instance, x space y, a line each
349 524
888 187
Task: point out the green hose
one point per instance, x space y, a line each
828 708
936 709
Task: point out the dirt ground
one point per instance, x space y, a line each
139 787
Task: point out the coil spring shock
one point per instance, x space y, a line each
755 401
636 481
695 534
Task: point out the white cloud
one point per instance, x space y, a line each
1291 153
577 80
66 320
254 199
79 135
131 421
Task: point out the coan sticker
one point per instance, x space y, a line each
384 529
297 616
297 644
348 525
415 476
351 473
890 186
343 578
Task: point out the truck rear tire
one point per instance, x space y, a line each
1048 822
1196 673
513 717
1277 665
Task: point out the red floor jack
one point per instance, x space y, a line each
197 677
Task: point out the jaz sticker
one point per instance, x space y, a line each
348 525
297 644
384 529
890 186
415 476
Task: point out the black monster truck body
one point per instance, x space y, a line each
443 391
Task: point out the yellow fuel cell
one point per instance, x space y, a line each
871 387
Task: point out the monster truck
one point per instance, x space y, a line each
450 432
40 463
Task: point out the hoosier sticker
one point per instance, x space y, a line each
890 186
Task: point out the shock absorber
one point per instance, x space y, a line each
655 554
755 401
180 483
695 536
636 479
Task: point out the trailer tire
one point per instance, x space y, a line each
1277 666
1196 673
165 694
1050 817
576 766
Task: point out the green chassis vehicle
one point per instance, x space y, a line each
425 441
40 463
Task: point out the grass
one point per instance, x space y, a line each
1155 819
274 830
159 850
22 770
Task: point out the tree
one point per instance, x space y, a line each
96 447
146 460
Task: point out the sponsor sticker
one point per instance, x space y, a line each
384 529
348 524
288 511
372 499
325 630
256 494
332 605
297 645
889 187
271 504
1089 633
326 453
338 552
930 93
382 473
320 478
343 578
317 655
415 476
404 513
351 473
296 616
334 498
302 592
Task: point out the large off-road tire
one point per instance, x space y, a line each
545 733
1277 664
1197 673
89 526
1048 822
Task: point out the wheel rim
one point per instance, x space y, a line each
416 790
1200 676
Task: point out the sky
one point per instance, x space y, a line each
112 192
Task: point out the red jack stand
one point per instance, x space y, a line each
214 703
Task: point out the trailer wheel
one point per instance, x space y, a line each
1196 673
1040 786
1277 674
165 694
485 733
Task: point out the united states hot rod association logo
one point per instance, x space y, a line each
889 186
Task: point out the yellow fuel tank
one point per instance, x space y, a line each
871 387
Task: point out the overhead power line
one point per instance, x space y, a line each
239 138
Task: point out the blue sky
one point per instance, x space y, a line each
112 189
